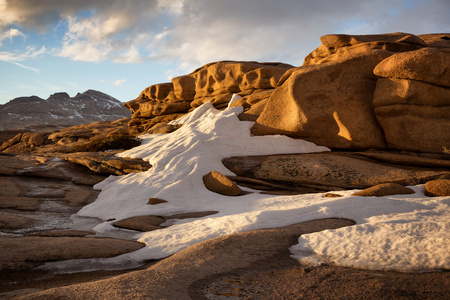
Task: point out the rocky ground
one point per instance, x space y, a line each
41 192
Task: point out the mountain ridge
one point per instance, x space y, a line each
60 110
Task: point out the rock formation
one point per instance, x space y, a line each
214 82
358 92
63 140
412 100
317 172
60 110
385 91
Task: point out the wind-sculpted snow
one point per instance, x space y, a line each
416 225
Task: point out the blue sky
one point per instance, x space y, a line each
120 47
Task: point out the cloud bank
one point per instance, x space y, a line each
195 32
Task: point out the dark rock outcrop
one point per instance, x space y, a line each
64 140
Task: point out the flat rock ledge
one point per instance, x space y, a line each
26 251
385 189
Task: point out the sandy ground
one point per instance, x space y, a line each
250 265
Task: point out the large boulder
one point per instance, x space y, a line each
412 100
430 65
328 104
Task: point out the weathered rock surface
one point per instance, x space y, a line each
256 265
40 193
219 183
328 104
329 99
106 162
60 110
214 82
228 77
172 277
384 189
141 223
438 188
412 100
430 65
335 46
63 140
330 171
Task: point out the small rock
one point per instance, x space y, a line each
384 189
219 183
141 223
62 233
331 195
438 188
154 201
195 214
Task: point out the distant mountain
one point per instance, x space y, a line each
60 110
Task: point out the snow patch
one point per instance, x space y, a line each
394 232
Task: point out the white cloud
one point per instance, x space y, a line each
14 58
10 34
119 82
196 32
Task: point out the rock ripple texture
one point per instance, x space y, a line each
214 82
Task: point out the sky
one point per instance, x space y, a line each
120 47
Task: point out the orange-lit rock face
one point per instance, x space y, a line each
412 100
329 104
214 82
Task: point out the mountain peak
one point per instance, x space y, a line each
61 110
